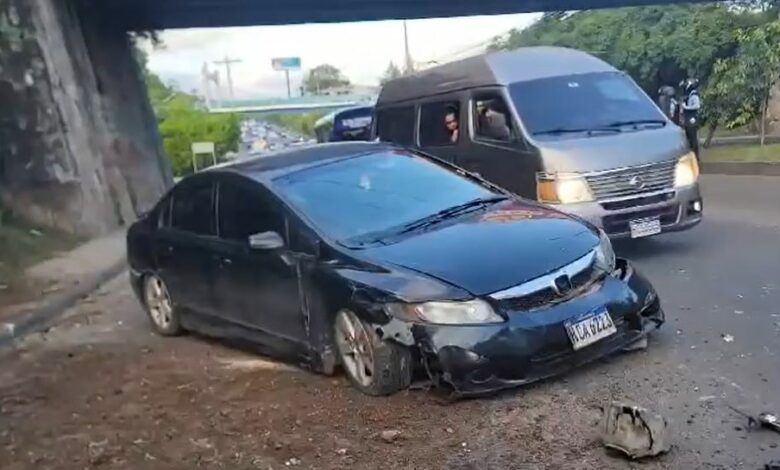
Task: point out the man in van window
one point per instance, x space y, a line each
451 123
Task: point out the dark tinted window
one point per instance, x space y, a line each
492 117
396 125
376 192
244 211
580 102
439 123
193 209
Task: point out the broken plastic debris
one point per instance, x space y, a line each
769 420
637 345
633 430
727 338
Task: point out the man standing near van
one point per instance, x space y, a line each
689 109
667 101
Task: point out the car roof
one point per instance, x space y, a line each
497 68
271 165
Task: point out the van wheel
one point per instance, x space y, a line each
159 307
375 367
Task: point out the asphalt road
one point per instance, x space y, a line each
719 284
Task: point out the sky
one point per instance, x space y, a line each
361 50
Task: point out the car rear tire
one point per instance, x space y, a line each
374 366
157 302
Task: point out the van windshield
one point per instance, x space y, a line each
582 103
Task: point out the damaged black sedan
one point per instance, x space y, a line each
388 263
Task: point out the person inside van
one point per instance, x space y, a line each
492 121
451 123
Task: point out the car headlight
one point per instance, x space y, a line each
686 172
445 312
605 255
562 189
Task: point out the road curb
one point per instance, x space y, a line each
741 168
42 317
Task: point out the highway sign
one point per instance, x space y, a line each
286 63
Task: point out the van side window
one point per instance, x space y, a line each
439 123
396 125
492 120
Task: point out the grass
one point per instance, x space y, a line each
742 153
22 246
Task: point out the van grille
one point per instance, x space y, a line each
631 181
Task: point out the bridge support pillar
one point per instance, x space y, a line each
79 148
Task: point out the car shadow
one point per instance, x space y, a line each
652 247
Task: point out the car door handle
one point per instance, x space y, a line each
223 260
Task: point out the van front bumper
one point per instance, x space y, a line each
678 209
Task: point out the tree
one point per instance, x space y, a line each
758 60
391 73
323 77
656 45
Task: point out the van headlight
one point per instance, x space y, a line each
562 189
686 172
605 255
445 312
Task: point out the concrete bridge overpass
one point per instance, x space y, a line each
79 146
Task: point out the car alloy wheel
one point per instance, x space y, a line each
158 303
355 348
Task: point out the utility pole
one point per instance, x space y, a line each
409 66
227 62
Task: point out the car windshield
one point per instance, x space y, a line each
376 192
595 101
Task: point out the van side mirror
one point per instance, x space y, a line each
266 241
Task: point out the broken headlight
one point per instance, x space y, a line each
445 312
605 255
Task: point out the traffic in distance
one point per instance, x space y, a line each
469 246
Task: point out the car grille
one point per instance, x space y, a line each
632 180
547 296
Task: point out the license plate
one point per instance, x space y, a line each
645 227
590 329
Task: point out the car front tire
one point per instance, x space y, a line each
159 306
374 366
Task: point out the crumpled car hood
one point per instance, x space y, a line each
492 250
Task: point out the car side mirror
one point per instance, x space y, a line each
266 241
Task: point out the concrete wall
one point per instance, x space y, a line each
79 149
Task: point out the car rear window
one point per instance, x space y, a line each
375 192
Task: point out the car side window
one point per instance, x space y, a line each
439 123
396 125
244 211
193 209
492 119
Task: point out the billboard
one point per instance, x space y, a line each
286 63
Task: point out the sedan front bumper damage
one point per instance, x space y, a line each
534 345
